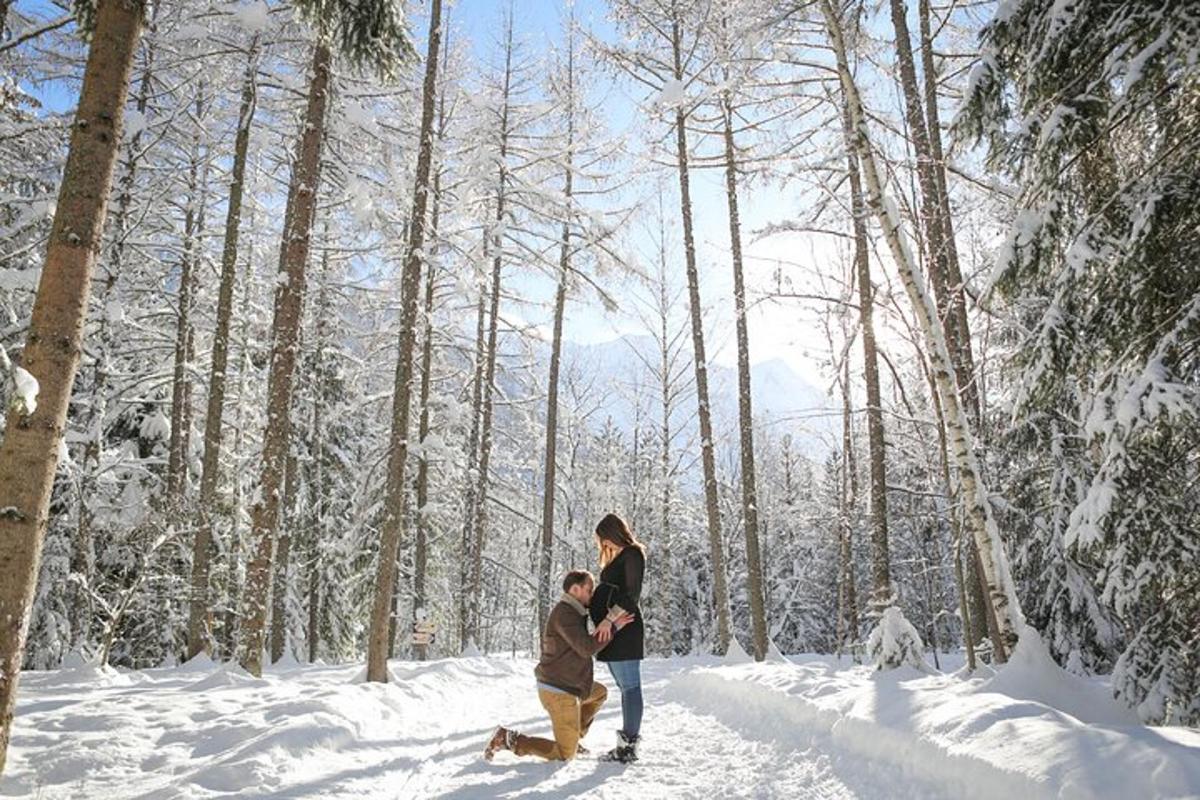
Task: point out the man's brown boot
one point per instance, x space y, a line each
502 739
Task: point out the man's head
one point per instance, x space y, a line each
579 584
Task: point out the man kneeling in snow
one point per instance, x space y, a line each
564 674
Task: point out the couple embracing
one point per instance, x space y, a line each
564 672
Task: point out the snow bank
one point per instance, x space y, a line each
1031 731
204 729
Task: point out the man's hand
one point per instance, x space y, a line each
604 632
623 620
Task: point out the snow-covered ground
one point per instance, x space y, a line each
802 728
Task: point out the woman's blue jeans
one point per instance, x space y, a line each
628 675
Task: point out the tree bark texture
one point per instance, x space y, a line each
29 452
394 520
289 303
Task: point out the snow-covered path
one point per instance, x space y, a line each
686 753
803 729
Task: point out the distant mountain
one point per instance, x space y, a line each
780 395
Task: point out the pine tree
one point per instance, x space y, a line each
1099 271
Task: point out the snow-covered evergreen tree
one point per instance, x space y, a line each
1091 109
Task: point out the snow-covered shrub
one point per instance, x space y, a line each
894 642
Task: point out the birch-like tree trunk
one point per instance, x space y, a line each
961 438
210 466
955 315
967 609
29 452
957 289
712 508
289 302
392 529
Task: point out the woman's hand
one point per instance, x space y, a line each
623 620
604 632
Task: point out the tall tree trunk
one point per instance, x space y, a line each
487 407
967 609
847 621
319 481
669 590
665 551
211 460
233 572
282 567
289 302
758 613
550 480
711 499
957 291
181 389
394 505
79 609
932 223
467 543
420 548
958 428
29 452
953 296
882 595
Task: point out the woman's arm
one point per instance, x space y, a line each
633 569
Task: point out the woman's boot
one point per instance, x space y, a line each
626 750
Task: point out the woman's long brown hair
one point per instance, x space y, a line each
615 531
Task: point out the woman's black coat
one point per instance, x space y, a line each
621 585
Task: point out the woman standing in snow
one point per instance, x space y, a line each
623 565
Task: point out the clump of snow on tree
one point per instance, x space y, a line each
672 94
25 391
894 642
254 16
